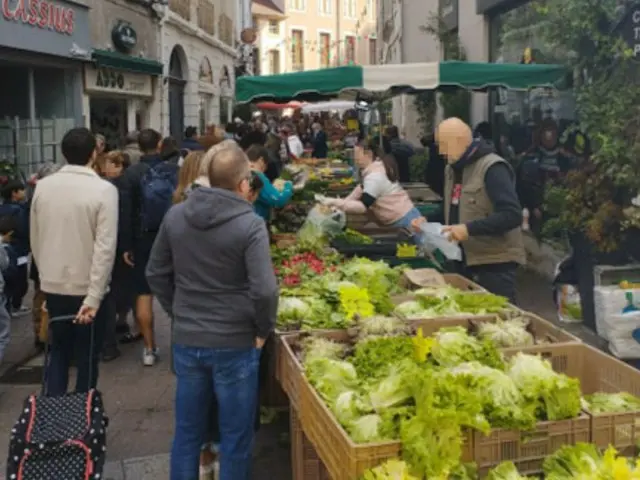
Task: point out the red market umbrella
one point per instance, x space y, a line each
279 106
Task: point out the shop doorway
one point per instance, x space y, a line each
109 118
177 82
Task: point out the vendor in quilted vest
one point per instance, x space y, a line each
482 210
380 194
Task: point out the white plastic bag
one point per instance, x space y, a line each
620 329
609 301
432 238
323 221
568 303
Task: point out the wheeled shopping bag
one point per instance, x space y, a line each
59 438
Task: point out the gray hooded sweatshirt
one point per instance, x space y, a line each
211 270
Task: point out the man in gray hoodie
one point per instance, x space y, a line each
210 269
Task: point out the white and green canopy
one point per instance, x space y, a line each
389 80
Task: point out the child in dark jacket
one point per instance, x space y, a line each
7 261
15 205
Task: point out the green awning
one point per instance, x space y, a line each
384 81
312 85
128 63
514 76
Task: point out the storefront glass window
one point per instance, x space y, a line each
517 37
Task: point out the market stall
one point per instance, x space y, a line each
330 106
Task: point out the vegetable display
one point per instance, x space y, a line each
584 461
428 392
620 402
449 301
354 237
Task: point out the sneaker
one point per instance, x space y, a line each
23 310
149 357
206 472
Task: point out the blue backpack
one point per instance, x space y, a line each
156 194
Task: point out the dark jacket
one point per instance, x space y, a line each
124 215
130 226
434 173
402 151
20 240
210 268
191 144
320 148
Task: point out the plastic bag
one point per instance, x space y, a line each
431 239
622 330
568 303
323 221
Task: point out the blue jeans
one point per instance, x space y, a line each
405 223
232 376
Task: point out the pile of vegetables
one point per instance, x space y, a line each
448 301
335 298
584 461
620 402
428 391
354 237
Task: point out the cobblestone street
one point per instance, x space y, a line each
139 401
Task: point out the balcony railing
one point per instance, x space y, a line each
207 16
181 7
297 66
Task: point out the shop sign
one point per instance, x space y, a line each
630 29
52 27
124 37
40 14
448 10
107 80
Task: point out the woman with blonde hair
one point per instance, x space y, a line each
189 172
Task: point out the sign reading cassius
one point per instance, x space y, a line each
40 13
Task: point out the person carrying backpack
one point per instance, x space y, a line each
147 193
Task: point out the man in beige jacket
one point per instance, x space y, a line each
74 228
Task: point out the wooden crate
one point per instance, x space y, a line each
599 372
344 459
527 450
305 463
289 370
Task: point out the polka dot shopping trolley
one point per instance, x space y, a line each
59 437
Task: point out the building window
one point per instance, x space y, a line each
274 62
325 50
297 50
325 7
373 59
350 49
350 8
370 13
274 27
517 36
299 5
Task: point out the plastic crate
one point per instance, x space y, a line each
305 463
344 459
543 331
453 279
599 372
527 450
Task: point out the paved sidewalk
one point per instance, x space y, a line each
139 401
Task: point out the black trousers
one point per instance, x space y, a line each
17 287
498 279
72 341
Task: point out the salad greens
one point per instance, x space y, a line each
611 402
584 461
448 301
507 333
